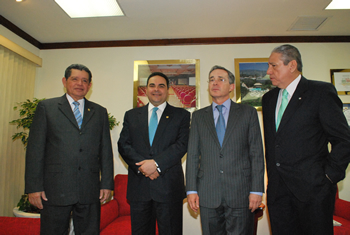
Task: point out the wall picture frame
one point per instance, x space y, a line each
252 81
184 81
340 78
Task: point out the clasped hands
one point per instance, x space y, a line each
148 169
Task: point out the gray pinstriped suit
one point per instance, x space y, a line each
230 172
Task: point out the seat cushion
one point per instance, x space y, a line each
120 226
344 229
19 225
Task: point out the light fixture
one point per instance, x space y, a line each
338 4
19 0
90 8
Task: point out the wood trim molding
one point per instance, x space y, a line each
172 42
19 32
197 41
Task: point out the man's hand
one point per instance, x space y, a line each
104 194
193 201
35 199
147 167
154 175
254 201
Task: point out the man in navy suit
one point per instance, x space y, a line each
155 177
69 161
302 173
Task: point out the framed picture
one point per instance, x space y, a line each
346 110
183 77
341 80
252 82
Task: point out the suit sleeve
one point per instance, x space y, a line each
335 125
125 148
106 156
193 153
34 170
174 152
256 154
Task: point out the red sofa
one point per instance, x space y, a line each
115 214
342 215
19 225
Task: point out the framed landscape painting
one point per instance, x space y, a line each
252 81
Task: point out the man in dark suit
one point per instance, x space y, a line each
153 141
302 173
69 160
225 161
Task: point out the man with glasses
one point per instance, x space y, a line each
225 162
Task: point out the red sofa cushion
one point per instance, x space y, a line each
120 187
120 226
109 212
19 225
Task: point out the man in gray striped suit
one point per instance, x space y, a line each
225 162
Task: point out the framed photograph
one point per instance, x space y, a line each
252 82
183 77
341 80
346 110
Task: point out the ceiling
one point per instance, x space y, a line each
45 21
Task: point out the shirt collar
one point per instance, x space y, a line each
293 86
227 104
161 107
71 100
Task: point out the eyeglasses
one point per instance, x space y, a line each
212 80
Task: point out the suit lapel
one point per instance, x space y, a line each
209 122
167 116
65 108
232 120
297 99
89 111
143 123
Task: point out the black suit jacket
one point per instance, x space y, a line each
63 160
169 146
298 152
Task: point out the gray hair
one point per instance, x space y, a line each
80 67
231 77
289 53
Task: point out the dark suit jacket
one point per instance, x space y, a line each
64 161
298 152
169 146
229 172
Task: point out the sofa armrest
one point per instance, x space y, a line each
109 212
342 209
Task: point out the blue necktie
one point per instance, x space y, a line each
153 123
220 125
283 107
77 114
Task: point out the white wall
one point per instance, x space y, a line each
112 70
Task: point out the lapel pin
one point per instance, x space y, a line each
89 110
299 98
167 116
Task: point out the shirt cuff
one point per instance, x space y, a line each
192 192
257 193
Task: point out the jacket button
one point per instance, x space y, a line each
79 168
221 156
277 164
221 171
80 150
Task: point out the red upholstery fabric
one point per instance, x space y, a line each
341 215
115 215
19 226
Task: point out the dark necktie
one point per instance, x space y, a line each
220 125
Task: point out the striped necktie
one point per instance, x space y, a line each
77 113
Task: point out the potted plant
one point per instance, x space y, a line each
26 112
